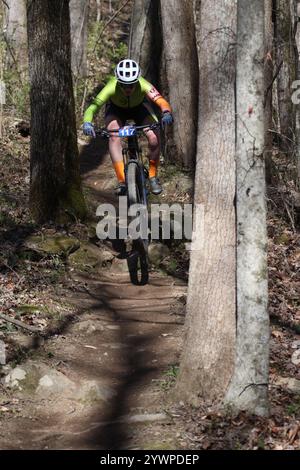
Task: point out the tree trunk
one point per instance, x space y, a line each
15 30
182 76
145 42
208 357
55 192
79 32
249 387
287 74
99 10
269 69
296 28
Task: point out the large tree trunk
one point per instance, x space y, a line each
249 387
79 32
208 357
55 192
15 30
287 75
145 42
182 75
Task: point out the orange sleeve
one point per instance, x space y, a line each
154 95
163 104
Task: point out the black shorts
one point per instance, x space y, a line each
138 114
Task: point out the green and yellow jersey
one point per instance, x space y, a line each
112 92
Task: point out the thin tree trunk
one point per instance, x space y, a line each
182 75
249 387
269 69
287 75
207 362
79 33
15 30
145 42
296 28
55 192
99 10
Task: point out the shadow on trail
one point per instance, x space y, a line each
92 155
112 428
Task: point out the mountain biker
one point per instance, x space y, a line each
127 95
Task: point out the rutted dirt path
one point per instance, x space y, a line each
100 383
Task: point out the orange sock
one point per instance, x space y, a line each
119 169
153 165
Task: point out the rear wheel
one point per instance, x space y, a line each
138 259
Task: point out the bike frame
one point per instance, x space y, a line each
132 151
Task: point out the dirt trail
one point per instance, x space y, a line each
100 384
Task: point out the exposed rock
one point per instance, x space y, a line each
88 326
90 256
55 383
15 377
47 382
296 357
48 245
291 384
91 391
157 252
145 418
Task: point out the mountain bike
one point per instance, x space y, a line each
136 175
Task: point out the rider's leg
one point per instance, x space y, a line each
154 153
115 147
154 148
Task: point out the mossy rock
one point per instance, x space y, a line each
157 253
90 257
283 239
56 245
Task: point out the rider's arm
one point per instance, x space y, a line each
153 94
103 97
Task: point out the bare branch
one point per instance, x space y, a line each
32 329
108 23
271 84
3 1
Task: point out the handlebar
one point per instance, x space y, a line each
127 131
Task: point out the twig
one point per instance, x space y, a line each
108 23
271 84
7 6
289 214
11 269
253 385
19 323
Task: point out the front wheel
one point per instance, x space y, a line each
136 184
136 191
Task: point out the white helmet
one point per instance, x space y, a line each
127 71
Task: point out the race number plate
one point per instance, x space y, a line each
127 131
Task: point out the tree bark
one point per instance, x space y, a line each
296 29
55 192
249 386
287 74
269 70
145 42
182 76
208 356
15 30
79 35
